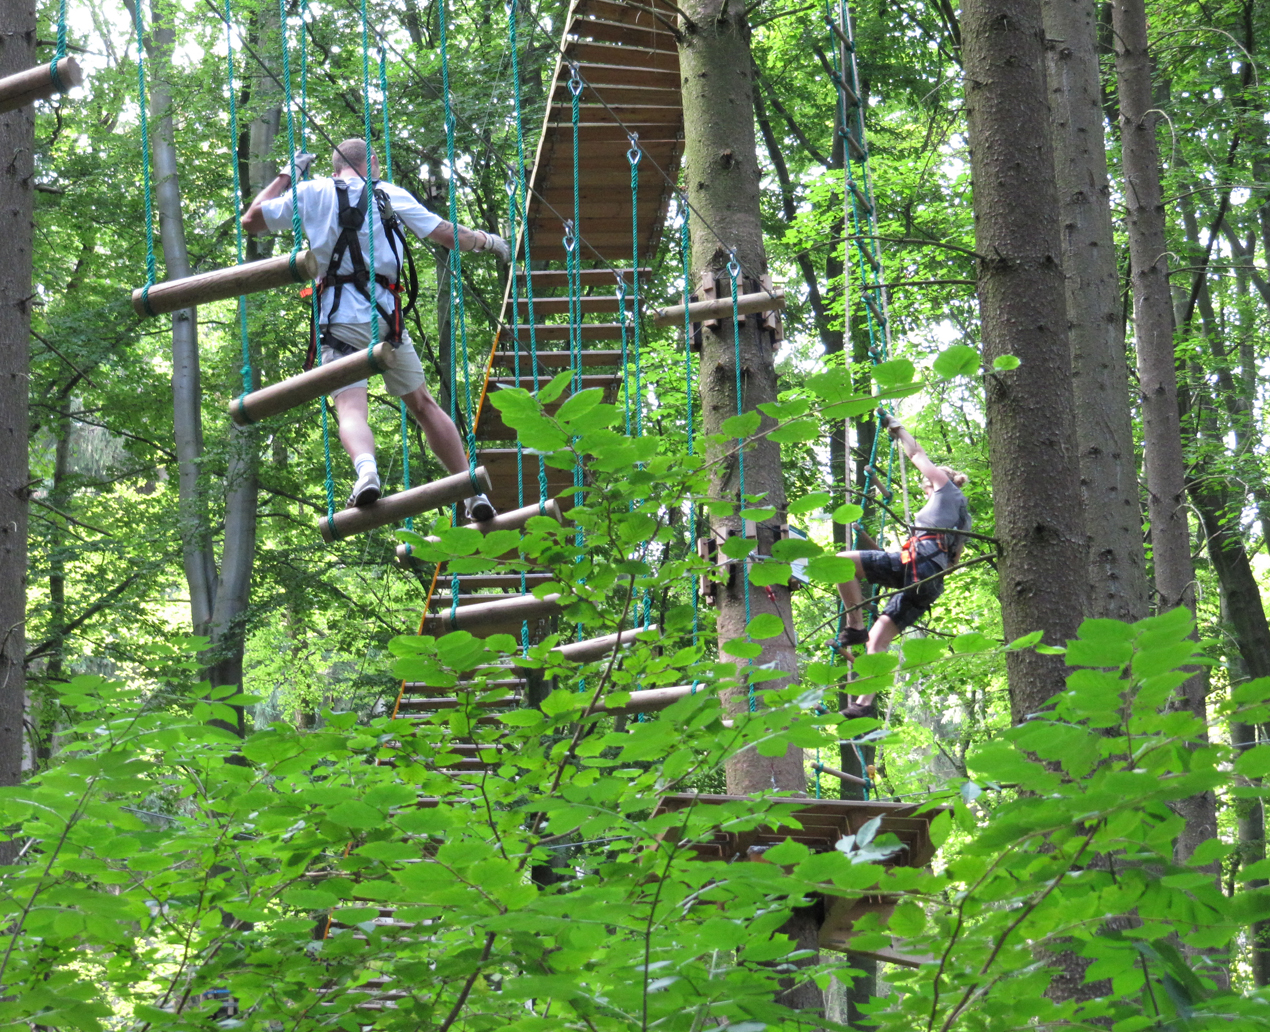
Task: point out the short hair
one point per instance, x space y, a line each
350 154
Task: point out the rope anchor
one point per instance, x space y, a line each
575 79
634 154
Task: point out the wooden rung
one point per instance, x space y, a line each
170 295
501 580
452 702
841 775
648 701
38 83
861 200
560 331
630 58
594 648
631 35
304 387
560 278
556 360
491 614
527 381
560 305
719 308
445 491
599 75
855 146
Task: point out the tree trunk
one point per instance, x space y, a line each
722 172
1022 301
217 604
17 169
1117 586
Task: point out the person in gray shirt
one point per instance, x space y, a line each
916 571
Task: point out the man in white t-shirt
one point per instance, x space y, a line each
345 291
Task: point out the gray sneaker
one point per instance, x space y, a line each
479 509
365 491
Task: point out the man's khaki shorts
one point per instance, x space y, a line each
406 373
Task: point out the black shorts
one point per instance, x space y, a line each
887 570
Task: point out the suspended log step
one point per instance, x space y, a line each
223 284
593 648
650 700
492 617
506 684
446 491
515 519
448 702
39 83
305 387
720 308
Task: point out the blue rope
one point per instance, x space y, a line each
238 191
734 268
692 508
368 184
61 48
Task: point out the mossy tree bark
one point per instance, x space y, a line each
1023 308
17 172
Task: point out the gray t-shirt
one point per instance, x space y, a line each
946 508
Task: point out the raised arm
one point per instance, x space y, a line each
937 477
253 217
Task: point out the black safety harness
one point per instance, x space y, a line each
351 218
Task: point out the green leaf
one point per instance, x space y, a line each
848 513
352 814
743 649
741 426
1099 653
551 391
957 360
908 920
1254 762
737 547
830 569
792 548
1003 363
767 573
787 852
971 642
765 625
810 503
895 373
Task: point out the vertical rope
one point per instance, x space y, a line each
61 47
145 158
692 507
238 190
734 268
297 229
368 183
383 94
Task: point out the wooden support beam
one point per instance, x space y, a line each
556 360
839 774
648 701
560 331
225 283
559 277
560 305
487 615
719 308
304 387
38 83
594 648
445 491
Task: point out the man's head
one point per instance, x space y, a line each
351 154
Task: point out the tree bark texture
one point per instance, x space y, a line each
1023 308
1152 315
17 170
722 175
1117 585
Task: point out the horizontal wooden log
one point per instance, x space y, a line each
556 360
841 775
559 277
446 491
657 36
38 83
648 701
560 305
509 610
615 56
517 518
304 387
719 308
248 278
594 648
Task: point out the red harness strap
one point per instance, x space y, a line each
908 550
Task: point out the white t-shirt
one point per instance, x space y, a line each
319 214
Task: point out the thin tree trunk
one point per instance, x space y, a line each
17 170
1022 301
1117 586
721 163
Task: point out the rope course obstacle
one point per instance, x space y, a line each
62 73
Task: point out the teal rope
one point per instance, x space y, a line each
368 185
692 508
633 156
383 93
145 160
734 268
523 187
61 47
572 264
238 191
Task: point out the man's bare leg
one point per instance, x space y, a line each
439 429
852 594
353 412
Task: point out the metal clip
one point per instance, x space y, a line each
570 241
734 267
575 79
634 154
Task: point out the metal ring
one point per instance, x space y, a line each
734 267
575 80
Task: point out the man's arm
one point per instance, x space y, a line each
253 217
448 235
916 453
